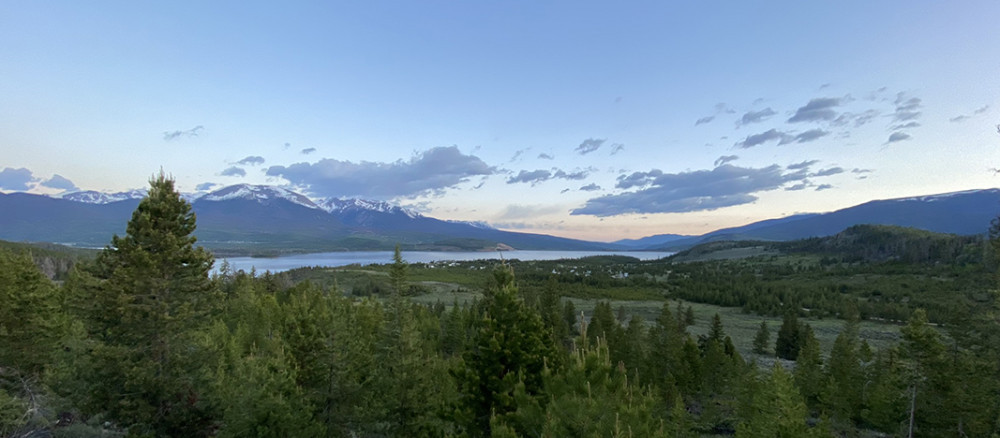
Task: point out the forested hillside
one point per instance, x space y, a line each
143 341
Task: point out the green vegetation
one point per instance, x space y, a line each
142 341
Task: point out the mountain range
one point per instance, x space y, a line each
266 220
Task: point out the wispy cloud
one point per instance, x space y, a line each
616 148
817 110
589 145
725 159
307 151
764 137
756 116
810 135
907 108
174 135
233 171
252 160
205 186
898 136
541 175
964 117
427 172
704 120
544 156
590 187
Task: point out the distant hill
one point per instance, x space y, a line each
858 243
961 213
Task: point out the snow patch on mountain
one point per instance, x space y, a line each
257 193
335 205
477 224
95 197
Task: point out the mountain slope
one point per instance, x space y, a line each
962 213
262 220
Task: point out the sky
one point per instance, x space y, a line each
590 120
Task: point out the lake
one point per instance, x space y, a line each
332 259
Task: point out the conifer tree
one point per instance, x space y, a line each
762 340
808 373
510 348
397 272
779 412
28 315
786 346
145 303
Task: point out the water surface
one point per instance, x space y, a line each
332 259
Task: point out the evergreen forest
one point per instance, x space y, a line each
877 331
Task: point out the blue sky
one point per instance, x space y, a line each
594 120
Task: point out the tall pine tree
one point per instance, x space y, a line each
145 303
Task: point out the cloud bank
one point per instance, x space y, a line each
724 186
430 171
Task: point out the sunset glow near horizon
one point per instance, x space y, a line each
589 120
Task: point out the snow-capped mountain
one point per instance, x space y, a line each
259 193
336 205
95 197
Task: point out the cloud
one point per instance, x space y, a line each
830 171
756 116
251 160
898 136
907 109
856 170
532 176
518 154
16 179
590 187
810 135
725 159
590 145
575 175
964 117
307 151
59 182
701 190
430 171
797 187
722 107
817 110
234 171
616 148
544 156
764 137
704 120
541 175
822 187
906 125
205 186
802 165
174 135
